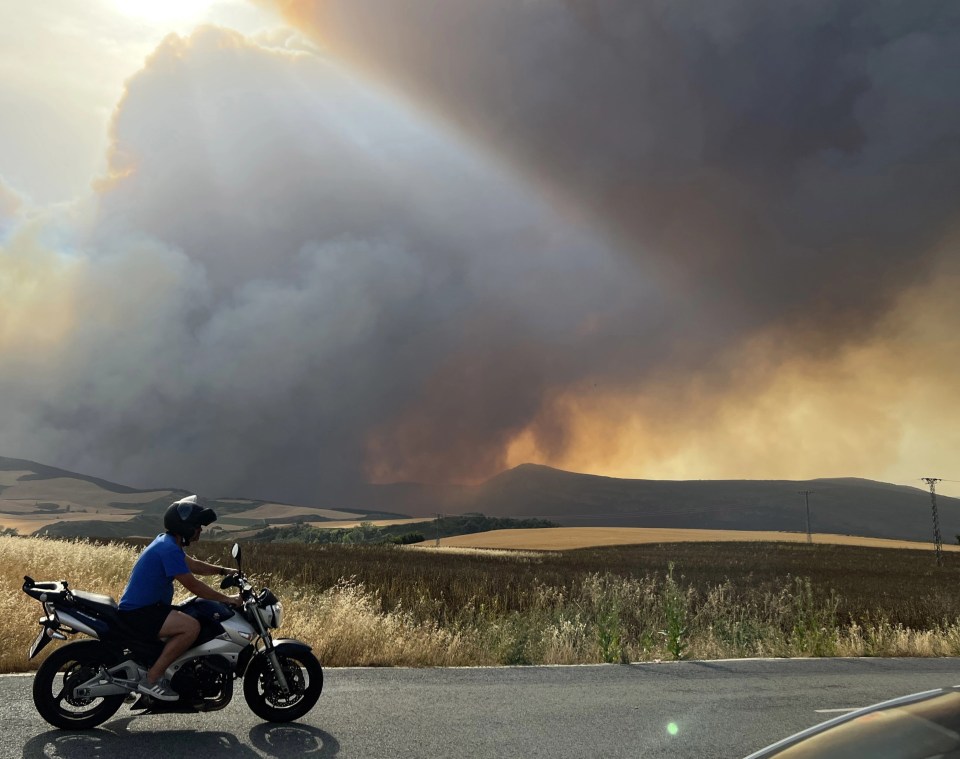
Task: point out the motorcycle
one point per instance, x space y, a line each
85 682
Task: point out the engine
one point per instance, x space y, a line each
206 683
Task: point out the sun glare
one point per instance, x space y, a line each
164 11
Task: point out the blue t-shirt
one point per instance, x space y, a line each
151 581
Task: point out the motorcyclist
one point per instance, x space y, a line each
146 604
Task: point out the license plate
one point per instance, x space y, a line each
39 643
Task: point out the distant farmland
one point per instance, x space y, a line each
28 523
568 538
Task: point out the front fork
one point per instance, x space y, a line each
277 669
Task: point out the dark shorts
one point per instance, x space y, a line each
147 620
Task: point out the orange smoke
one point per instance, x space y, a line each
886 408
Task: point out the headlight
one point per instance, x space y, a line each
271 611
273 615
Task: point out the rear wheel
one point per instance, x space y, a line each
265 697
64 670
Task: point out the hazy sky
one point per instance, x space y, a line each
279 248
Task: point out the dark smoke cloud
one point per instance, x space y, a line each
767 156
281 264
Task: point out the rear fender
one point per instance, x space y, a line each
49 632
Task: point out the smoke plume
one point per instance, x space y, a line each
659 238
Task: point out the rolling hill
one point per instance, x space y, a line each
845 506
35 497
40 499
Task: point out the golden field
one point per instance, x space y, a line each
26 524
570 538
347 524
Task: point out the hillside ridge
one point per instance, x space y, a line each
839 505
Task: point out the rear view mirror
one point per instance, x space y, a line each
235 552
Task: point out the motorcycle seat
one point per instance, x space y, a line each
96 599
106 609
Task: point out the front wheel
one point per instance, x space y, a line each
265 697
64 670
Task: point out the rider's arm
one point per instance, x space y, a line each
203 568
201 590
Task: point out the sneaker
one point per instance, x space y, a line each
160 689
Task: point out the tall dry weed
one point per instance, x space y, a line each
469 610
347 628
97 568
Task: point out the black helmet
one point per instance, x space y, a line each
183 517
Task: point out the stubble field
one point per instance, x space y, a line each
392 605
566 538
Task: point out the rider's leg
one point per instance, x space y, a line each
180 630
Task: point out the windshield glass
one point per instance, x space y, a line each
922 730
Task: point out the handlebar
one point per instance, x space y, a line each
238 580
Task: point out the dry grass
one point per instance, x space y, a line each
100 569
567 538
389 606
347 627
344 623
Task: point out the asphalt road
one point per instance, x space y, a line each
702 710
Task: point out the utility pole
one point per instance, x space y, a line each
438 530
932 482
806 498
